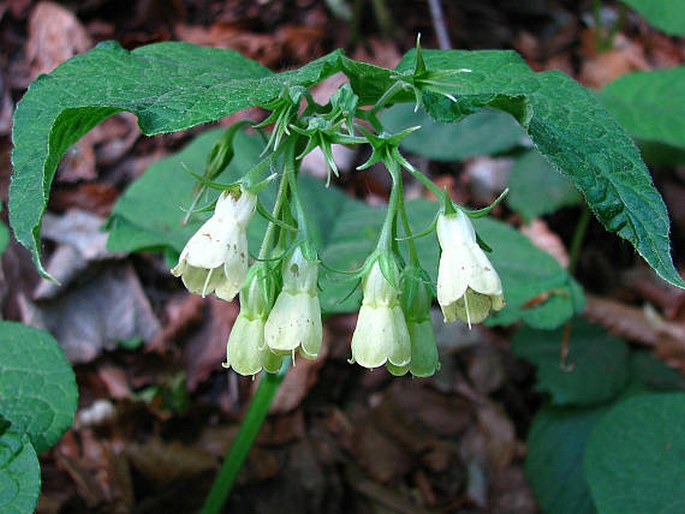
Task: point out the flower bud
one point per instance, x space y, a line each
468 285
215 259
381 334
416 302
295 320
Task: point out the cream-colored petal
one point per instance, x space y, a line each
400 345
482 275
455 230
453 274
372 336
207 248
294 322
243 352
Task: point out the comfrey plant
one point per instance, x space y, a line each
284 285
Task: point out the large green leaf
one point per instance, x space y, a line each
666 15
487 132
168 86
573 131
649 104
38 393
19 474
554 458
536 188
634 461
598 363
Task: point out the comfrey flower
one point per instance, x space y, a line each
215 259
468 285
381 335
295 320
246 351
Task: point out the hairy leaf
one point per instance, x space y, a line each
634 460
19 474
597 366
554 459
38 389
168 86
630 97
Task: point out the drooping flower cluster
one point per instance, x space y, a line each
280 312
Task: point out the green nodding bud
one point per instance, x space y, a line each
416 300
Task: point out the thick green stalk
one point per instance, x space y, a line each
249 428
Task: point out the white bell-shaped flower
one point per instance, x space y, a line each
215 259
295 320
381 335
468 285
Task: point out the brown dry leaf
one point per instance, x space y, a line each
81 243
55 35
599 69
263 48
381 52
298 381
278 430
102 310
381 457
387 499
182 311
102 474
444 415
6 110
92 197
206 350
164 463
643 325
541 236
116 381
511 493
491 444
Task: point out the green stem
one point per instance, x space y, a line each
386 239
430 185
249 428
280 199
578 236
396 173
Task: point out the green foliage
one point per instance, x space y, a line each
536 188
487 132
666 15
634 460
631 96
580 454
38 398
597 367
554 461
19 474
172 86
38 387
